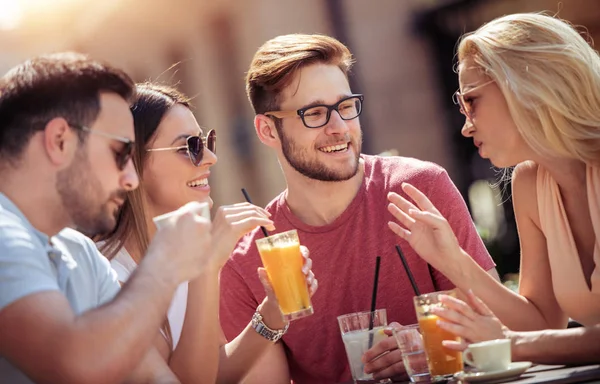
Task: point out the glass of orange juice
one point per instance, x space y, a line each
281 257
443 362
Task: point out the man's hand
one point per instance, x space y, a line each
181 247
385 359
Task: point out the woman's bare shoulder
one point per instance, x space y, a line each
524 189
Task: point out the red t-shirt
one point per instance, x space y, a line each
343 255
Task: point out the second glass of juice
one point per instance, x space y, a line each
443 362
281 257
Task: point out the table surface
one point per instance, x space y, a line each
551 374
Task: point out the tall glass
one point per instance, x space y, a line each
443 362
360 331
281 257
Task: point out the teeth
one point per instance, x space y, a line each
333 148
198 183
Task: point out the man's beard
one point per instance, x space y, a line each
81 197
315 169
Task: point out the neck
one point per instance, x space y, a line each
34 193
319 203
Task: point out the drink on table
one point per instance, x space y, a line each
281 257
410 343
442 361
358 338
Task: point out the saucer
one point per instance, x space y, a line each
514 370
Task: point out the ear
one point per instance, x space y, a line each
60 141
265 130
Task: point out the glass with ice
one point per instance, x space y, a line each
360 331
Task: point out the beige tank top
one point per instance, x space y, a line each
579 301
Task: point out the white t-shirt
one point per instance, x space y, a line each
124 265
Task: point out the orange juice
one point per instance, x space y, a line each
281 257
442 361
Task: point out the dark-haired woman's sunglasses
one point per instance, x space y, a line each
195 146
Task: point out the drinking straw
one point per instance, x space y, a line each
408 272
374 299
264 230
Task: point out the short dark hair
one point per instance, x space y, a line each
64 85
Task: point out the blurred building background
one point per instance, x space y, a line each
405 57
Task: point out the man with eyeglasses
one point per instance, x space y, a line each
336 198
66 140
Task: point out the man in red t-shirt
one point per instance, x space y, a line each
337 200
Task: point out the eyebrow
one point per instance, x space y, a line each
322 102
180 137
471 86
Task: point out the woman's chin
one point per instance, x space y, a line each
206 199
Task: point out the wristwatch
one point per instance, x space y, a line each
262 329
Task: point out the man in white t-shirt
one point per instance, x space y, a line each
66 135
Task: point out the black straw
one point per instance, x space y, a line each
374 300
264 230
408 272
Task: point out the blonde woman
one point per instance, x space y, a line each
530 91
173 157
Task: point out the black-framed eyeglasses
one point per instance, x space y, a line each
195 146
316 116
122 156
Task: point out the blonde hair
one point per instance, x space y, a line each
550 78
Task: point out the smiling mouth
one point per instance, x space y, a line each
198 183
335 148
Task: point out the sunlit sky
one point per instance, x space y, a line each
14 12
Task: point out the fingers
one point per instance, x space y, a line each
400 201
243 206
456 305
388 330
313 283
398 230
307 266
419 198
396 370
478 305
304 251
432 220
407 214
264 279
385 345
455 345
452 316
237 212
246 224
401 216
454 328
386 365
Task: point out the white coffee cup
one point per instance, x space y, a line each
493 355
204 212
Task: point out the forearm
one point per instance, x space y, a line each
196 357
153 369
513 310
564 346
239 355
143 301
